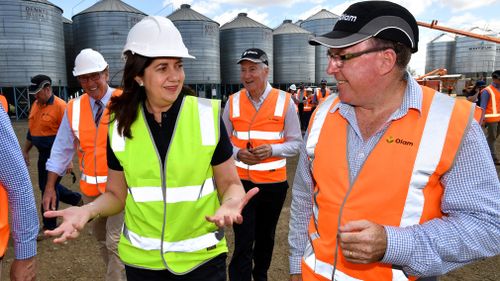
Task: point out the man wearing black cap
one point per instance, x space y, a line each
44 120
322 92
264 130
388 187
489 102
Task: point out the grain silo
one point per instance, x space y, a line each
293 55
69 49
32 42
441 53
201 36
474 57
319 24
235 37
497 58
104 27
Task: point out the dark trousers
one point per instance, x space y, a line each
64 194
254 238
301 116
213 270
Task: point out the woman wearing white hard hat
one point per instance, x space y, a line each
170 166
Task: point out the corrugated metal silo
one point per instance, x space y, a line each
31 42
104 27
69 49
293 55
497 58
474 57
201 36
238 35
441 53
319 24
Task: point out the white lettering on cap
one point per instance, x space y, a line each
250 52
348 18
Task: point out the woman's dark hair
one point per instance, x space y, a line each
125 106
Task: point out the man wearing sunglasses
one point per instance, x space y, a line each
84 129
264 130
388 186
45 118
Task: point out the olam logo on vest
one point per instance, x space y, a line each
391 139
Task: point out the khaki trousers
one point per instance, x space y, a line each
107 232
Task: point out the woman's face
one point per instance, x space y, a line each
163 80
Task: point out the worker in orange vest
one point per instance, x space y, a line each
490 103
264 130
84 129
4 103
16 188
394 174
45 117
322 92
309 105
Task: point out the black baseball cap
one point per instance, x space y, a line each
254 55
38 82
495 74
364 20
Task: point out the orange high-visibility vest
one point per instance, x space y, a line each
45 120
4 103
91 144
308 105
4 203
254 128
4 220
492 113
319 94
407 183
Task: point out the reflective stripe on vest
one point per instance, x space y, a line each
174 194
93 180
317 124
492 114
263 135
75 117
262 166
189 245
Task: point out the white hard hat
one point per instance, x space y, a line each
156 36
309 89
89 61
293 87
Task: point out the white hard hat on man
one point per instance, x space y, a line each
89 61
156 36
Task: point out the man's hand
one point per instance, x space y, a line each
263 152
246 156
295 277
363 241
26 157
23 270
49 198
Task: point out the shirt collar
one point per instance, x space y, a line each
105 99
264 95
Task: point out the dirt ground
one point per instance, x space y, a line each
80 260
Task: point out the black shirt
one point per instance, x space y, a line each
162 135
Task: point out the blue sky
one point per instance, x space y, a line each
458 14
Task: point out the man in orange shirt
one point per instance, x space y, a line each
44 120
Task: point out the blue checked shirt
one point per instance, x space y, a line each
16 181
471 200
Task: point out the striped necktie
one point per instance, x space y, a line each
100 109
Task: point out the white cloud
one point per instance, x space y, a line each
259 16
464 5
